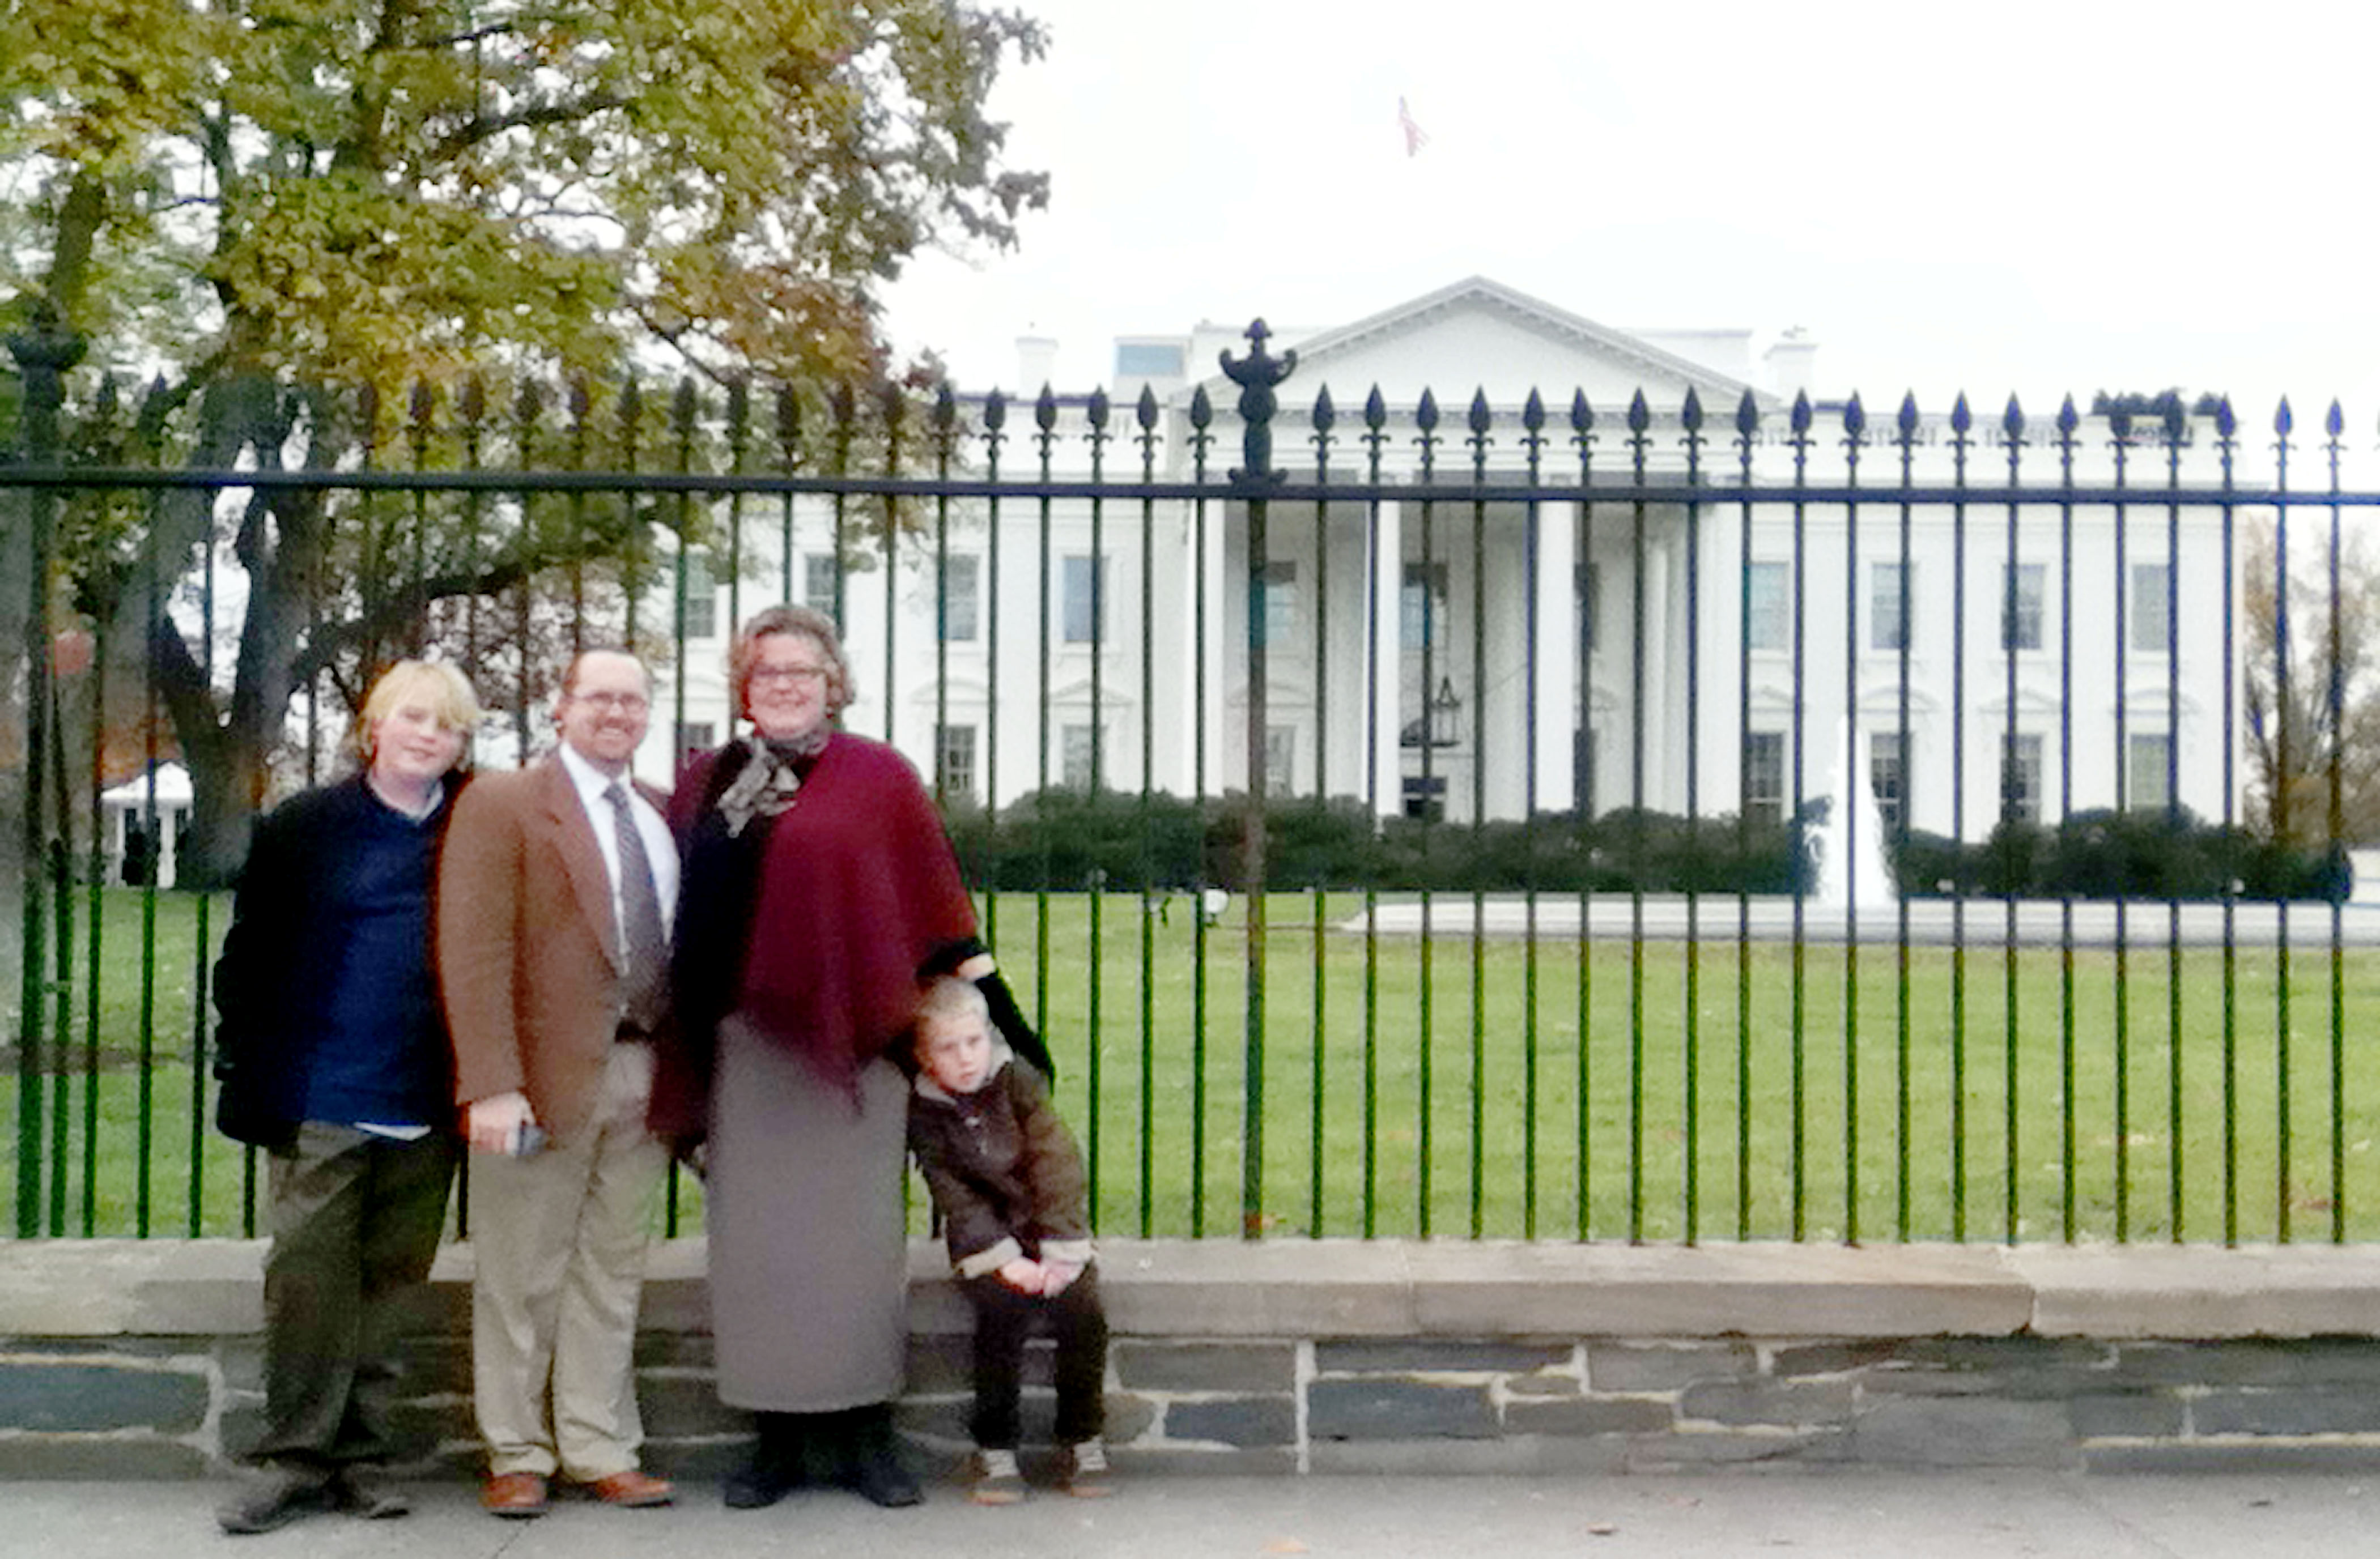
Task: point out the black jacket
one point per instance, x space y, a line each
273 985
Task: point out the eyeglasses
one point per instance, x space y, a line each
627 702
763 676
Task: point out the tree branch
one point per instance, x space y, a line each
485 129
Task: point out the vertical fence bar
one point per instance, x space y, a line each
2334 425
1380 573
1747 431
2228 426
1145 416
995 423
2067 422
1096 417
2011 775
1640 422
1857 794
1690 420
2120 1037
1962 424
1581 425
2175 1091
1045 440
1202 416
1904 636
2283 424
1482 420
1257 374
43 351
1799 597
1426 420
92 944
1533 424
1324 416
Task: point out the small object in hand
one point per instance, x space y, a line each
529 1141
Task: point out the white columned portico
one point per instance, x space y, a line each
1555 655
1385 557
1664 687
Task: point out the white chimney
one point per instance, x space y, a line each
1792 363
1036 360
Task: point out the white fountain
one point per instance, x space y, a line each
1853 882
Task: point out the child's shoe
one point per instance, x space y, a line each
997 1480
1082 1470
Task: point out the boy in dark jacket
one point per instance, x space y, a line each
1008 1180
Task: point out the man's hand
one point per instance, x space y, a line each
1057 1277
1025 1276
493 1124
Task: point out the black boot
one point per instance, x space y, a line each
774 1470
872 1464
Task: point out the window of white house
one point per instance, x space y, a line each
821 576
960 577
954 761
1424 797
1888 607
1281 760
1279 585
2019 779
1764 776
2148 778
1768 605
1076 756
696 736
1590 608
2020 605
701 599
1888 778
1084 606
1422 605
1583 770
2152 607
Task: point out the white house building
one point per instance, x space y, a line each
1489 656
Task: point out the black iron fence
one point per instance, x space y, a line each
1580 820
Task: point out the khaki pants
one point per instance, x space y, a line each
356 1219
559 1241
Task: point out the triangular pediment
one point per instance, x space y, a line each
1479 334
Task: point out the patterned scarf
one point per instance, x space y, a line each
770 778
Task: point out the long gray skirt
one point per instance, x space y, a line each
809 1266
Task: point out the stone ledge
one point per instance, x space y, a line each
1226 1289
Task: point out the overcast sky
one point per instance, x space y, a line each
2032 195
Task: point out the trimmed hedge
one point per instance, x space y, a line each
1066 840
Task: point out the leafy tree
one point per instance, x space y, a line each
2311 693
268 206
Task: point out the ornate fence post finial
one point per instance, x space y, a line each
1257 374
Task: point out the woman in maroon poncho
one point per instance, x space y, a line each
819 887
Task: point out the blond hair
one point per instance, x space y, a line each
949 1000
445 689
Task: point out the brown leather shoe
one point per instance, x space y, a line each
516 1495
631 1490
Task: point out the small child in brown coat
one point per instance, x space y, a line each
1008 1180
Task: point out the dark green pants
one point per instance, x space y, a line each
356 1221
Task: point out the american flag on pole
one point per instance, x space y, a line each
1416 137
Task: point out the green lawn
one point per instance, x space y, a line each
1759 1147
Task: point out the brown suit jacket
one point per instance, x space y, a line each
529 944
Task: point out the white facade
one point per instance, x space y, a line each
1415 648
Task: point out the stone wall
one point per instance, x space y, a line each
140 1360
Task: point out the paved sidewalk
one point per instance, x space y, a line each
1851 1515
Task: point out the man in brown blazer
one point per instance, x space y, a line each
554 894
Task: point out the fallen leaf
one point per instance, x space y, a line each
1284 1545
1602 1529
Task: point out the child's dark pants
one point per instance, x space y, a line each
1003 1320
